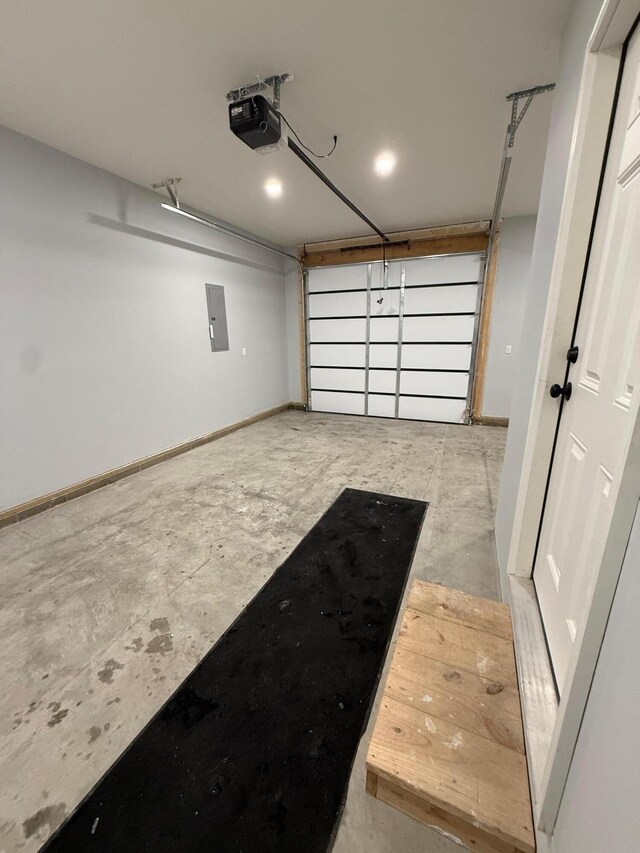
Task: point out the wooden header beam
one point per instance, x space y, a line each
450 239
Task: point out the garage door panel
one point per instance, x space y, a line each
394 274
436 356
338 304
345 403
381 406
383 355
430 382
439 300
433 342
384 329
353 277
326 378
441 270
390 305
338 331
337 355
432 409
383 381
437 329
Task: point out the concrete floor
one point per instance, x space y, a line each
110 601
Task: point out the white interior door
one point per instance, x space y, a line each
598 419
398 348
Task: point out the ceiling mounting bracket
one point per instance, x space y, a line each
516 117
274 82
171 186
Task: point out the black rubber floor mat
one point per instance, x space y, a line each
253 751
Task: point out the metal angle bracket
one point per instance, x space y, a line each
274 83
516 117
171 186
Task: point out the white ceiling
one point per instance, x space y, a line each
137 87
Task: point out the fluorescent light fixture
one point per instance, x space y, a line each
273 188
385 164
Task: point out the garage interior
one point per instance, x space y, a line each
213 339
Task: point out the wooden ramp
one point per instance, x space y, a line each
447 747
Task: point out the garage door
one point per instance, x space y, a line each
394 345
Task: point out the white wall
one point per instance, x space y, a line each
578 28
104 347
509 300
600 810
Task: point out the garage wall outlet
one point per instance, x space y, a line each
244 350
508 348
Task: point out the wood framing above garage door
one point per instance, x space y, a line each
398 343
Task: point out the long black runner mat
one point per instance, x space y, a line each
253 751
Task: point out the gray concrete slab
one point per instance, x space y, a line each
108 602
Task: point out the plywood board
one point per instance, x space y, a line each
468 776
459 646
493 617
488 708
446 824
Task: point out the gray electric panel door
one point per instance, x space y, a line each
218 333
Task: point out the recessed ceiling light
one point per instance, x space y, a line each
385 164
273 188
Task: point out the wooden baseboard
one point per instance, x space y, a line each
485 420
33 507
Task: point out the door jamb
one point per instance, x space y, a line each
486 292
595 102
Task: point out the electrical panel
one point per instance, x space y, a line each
217 318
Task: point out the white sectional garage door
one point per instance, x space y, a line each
404 348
